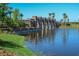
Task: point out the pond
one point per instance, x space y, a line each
56 42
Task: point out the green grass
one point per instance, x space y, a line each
14 43
72 25
16 39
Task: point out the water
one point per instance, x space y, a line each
57 42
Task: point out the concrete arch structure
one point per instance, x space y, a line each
44 23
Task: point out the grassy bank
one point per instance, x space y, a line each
70 25
14 43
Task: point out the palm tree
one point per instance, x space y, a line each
10 12
3 13
21 15
15 17
53 19
61 22
65 18
16 14
53 16
3 10
50 15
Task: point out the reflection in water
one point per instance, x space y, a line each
65 36
36 37
51 42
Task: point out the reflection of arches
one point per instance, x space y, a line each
47 35
65 36
51 35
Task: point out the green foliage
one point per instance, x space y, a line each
11 17
14 43
15 14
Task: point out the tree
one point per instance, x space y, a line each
16 14
10 16
65 18
53 16
21 15
10 12
50 15
3 10
15 17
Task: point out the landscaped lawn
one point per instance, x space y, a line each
14 43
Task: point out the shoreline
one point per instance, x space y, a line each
14 43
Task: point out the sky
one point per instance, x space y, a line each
42 9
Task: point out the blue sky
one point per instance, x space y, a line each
42 9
